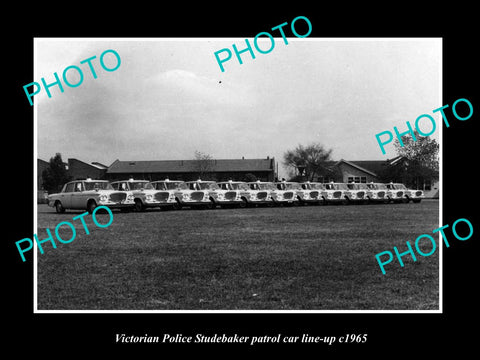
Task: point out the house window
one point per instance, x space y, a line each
357 179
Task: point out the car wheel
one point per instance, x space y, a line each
139 205
177 205
210 205
91 206
59 207
243 204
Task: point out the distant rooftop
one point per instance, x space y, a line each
182 166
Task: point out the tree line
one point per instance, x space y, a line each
417 161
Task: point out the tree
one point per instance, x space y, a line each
249 177
420 153
204 164
419 161
309 161
55 175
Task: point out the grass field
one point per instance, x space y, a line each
290 258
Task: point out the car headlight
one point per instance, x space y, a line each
186 196
103 197
149 197
130 197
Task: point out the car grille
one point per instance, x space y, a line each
262 195
361 194
314 194
288 195
230 195
337 194
418 193
161 196
118 197
399 193
381 194
197 196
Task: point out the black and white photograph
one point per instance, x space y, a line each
232 180
261 187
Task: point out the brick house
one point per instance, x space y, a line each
215 169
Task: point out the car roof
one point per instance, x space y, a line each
202 181
87 180
166 181
129 180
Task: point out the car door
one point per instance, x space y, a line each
65 196
78 197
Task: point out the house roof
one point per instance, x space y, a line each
372 166
182 166
94 164
356 164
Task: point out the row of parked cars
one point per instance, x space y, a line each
141 194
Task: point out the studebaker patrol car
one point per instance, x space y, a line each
379 192
324 195
88 194
336 193
309 193
146 194
260 193
284 193
223 197
192 194
400 193
360 193
240 187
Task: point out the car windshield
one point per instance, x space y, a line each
317 186
97 185
400 187
292 186
377 186
178 185
203 186
262 186
169 185
234 186
139 185
340 186
172 185
159 186
358 186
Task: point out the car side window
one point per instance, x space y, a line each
69 187
115 186
78 187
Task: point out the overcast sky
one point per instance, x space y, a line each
169 97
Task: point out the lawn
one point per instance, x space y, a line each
289 258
